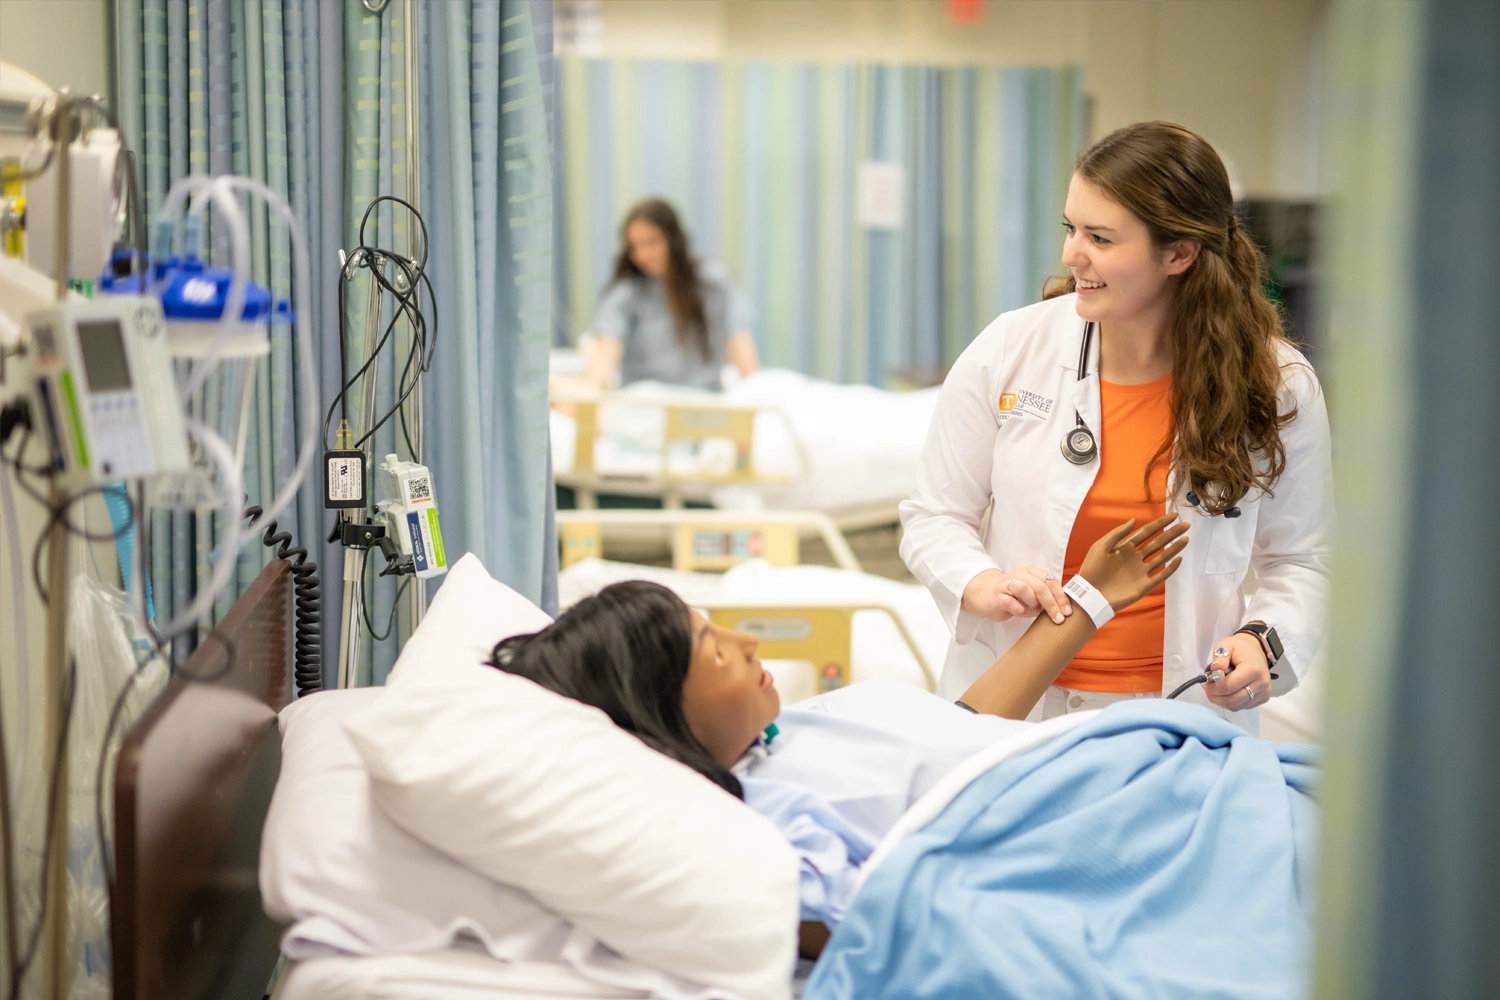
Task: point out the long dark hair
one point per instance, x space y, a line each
626 651
1225 333
684 298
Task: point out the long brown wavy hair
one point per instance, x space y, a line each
684 298
1225 333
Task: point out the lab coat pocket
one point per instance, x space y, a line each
1231 538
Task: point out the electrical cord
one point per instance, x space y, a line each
408 305
55 782
307 660
364 607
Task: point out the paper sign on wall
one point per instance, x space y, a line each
880 195
577 28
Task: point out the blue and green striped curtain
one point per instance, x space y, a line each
761 160
238 86
309 96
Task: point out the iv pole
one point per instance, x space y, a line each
55 875
349 644
417 599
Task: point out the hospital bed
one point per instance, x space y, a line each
774 440
820 628
194 783
704 539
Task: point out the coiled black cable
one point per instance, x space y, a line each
307 658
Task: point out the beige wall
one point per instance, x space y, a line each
61 42
1242 72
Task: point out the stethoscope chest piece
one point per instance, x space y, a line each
1079 446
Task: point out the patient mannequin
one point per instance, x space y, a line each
696 692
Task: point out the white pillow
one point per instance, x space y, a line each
474 611
544 793
350 881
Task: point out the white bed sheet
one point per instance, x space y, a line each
455 974
862 443
878 649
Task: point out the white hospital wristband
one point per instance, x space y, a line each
1090 600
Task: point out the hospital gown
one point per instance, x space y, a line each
844 766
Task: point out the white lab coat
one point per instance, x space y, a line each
976 452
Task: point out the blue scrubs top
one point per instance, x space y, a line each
634 311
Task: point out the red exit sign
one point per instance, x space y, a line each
964 11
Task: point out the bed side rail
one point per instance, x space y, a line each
706 539
819 633
690 421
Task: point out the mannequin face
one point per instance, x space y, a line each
1123 278
728 697
648 248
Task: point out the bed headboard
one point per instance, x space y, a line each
192 786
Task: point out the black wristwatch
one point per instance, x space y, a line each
1269 641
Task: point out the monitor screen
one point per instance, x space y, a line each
103 346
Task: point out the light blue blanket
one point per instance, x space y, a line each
1154 851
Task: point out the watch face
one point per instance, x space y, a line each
1274 641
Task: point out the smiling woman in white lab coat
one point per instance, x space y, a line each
1154 376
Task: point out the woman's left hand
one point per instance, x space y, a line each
1250 674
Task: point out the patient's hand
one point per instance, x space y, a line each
1127 565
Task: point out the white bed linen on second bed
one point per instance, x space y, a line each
878 649
862 442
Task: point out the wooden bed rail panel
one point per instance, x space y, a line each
193 783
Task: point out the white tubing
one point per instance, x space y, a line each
199 188
226 557
221 191
303 314
231 320
18 609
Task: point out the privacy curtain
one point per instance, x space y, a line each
762 161
310 97
248 87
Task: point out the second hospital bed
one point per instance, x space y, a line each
775 440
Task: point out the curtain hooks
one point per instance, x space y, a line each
377 7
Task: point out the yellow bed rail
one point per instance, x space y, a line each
693 422
819 633
706 539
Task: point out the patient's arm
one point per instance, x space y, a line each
1124 569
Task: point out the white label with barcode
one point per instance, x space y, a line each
418 488
346 479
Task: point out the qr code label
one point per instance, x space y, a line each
418 488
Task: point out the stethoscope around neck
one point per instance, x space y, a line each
1079 445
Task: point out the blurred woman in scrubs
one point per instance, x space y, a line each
665 316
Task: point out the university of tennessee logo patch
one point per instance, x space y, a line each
1007 402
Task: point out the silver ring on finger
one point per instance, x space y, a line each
1251 694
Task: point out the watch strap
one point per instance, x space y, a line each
1270 642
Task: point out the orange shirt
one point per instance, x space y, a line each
1124 655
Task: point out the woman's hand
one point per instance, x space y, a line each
1247 678
1021 593
1126 565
